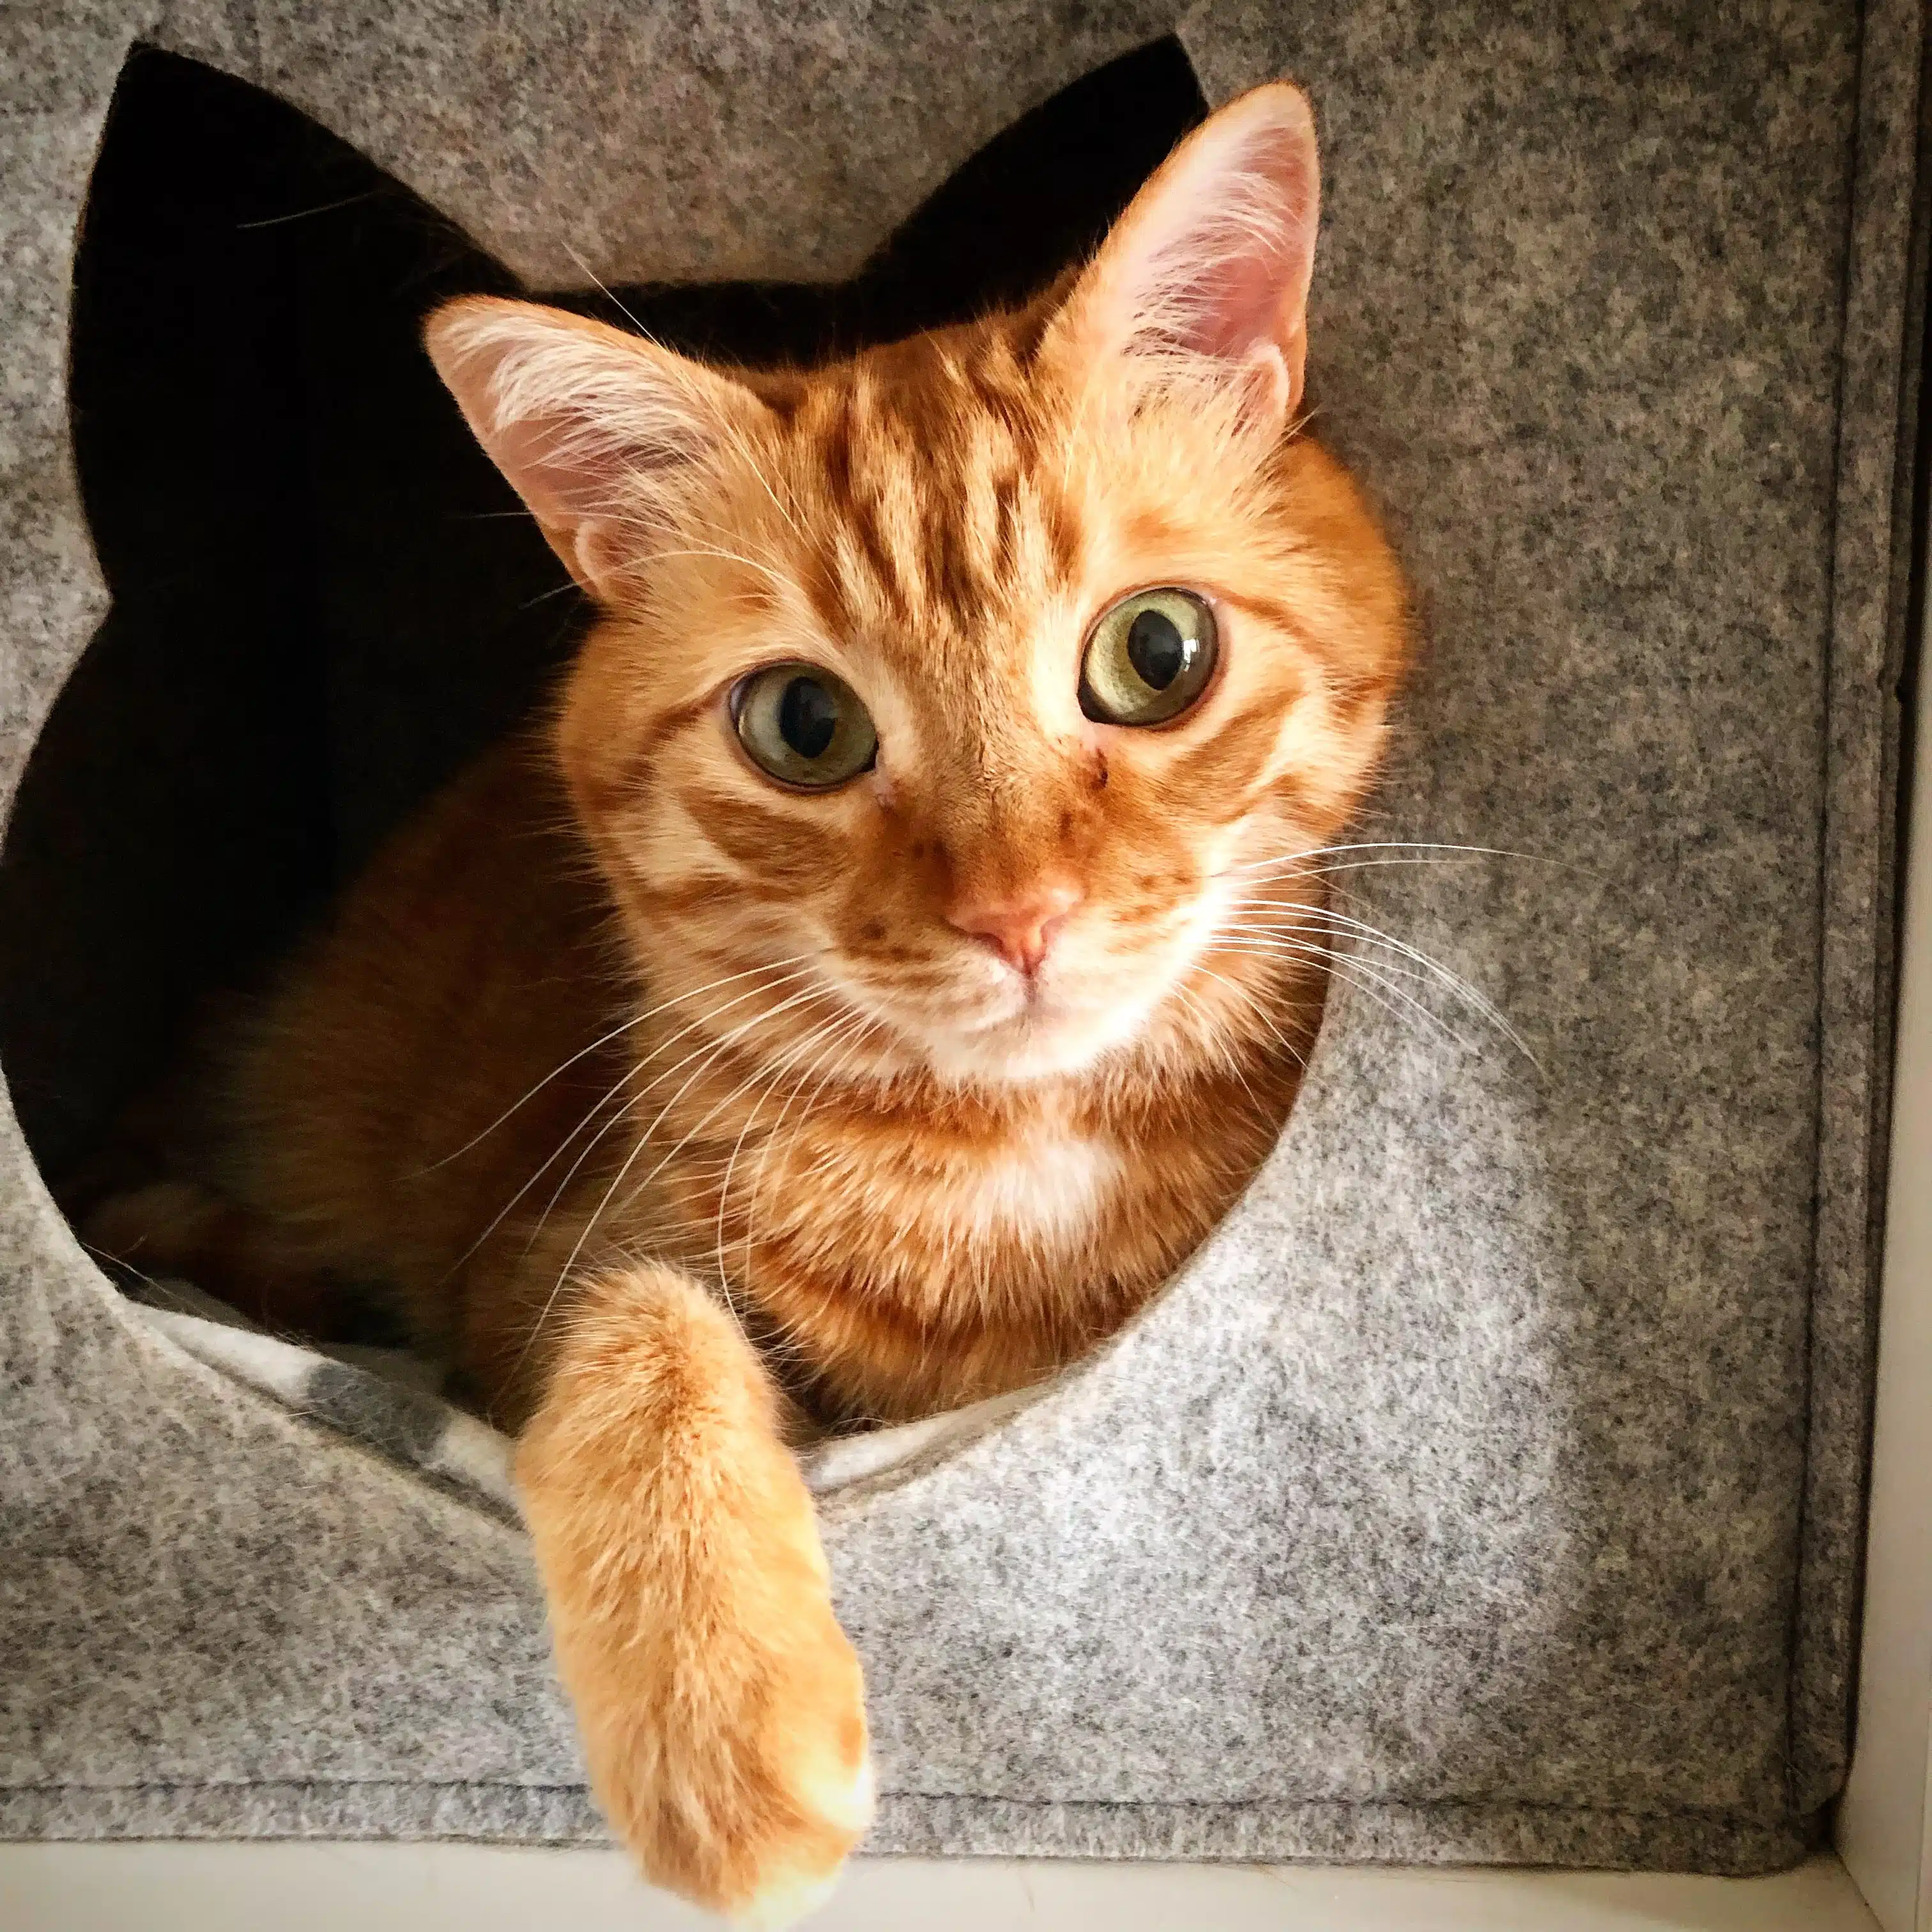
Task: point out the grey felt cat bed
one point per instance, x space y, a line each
1488 1487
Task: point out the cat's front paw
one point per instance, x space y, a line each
721 1709
735 1767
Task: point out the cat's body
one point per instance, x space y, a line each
894 954
902 1246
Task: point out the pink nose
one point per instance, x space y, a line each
1020 929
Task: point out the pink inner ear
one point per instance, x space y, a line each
594 429
1233 308
561 465
1214 259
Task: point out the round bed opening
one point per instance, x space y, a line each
325 599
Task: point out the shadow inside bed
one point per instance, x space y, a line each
325 599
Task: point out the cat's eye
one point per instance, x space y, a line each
803 726
1148 658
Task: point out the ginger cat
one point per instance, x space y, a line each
892 956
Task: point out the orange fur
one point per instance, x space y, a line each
624 1053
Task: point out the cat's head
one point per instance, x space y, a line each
966 686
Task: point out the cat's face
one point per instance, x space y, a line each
948 699
855 724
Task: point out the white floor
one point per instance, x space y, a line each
239 1888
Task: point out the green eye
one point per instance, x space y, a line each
803 726
1148 659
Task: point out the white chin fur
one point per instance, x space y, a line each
1030 1047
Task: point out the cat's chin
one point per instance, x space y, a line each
979 1063
1031 1046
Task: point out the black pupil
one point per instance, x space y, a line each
1156 649
808 717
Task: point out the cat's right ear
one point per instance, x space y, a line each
1203 284
600 433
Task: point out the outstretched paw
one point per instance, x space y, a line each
750 1783
722 1708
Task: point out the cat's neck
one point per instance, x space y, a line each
924 1243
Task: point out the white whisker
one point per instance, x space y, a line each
797 1052
643 1141
1422 845
623 1081
1471 996
1343 963
603 1039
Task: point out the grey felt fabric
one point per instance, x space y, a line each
1489 1486
389 1400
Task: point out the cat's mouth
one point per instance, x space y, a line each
966 1016
1038 1026
982 1021
1036 1010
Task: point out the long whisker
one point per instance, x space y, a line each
1260 1012
708 1053
1337 962
785 1335
1297 913
603 1039
1306 946
861 1032
623 1110
790 1060
1263 1115
1330 861
1471 996
623 1081
756 1077
849 1033
1332 963
1426 845
717 1107
643 1141
1206 1020
1298 869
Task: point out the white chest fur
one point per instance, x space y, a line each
1042 1186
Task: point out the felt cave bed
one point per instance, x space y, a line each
1489 1486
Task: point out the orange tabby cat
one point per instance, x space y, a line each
886 966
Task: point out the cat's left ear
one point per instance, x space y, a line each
1205 278
603 435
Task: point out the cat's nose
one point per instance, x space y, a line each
1020 927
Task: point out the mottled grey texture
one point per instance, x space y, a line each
1879 400
726 140
1489 1486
